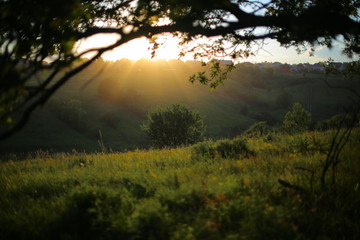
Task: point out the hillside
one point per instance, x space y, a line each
273 192
114 98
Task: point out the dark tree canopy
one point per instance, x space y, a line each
174 126
38 37
297 119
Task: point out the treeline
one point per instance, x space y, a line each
269 67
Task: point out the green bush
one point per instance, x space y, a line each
235 148
301 144
203 150
297 119
257 129
336 121
227 148
91 212
174 126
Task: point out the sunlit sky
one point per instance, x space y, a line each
270 52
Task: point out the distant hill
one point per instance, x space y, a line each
114 98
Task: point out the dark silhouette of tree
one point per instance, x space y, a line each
297 119
174 126
38 37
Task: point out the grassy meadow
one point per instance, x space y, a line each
184 194
82 168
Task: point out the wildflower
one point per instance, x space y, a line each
152 174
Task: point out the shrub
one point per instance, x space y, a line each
174 126
235 148
203 150
301 144
91 211
336 121
228 148
257 129
297 119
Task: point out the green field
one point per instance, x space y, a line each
178 194
117 96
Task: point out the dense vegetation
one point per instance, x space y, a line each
267 187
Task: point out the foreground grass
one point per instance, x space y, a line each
167 194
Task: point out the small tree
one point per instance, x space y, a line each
297 119
174 126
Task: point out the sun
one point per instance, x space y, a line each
133 50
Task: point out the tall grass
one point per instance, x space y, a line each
170 194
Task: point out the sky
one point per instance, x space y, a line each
273 52
270 52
